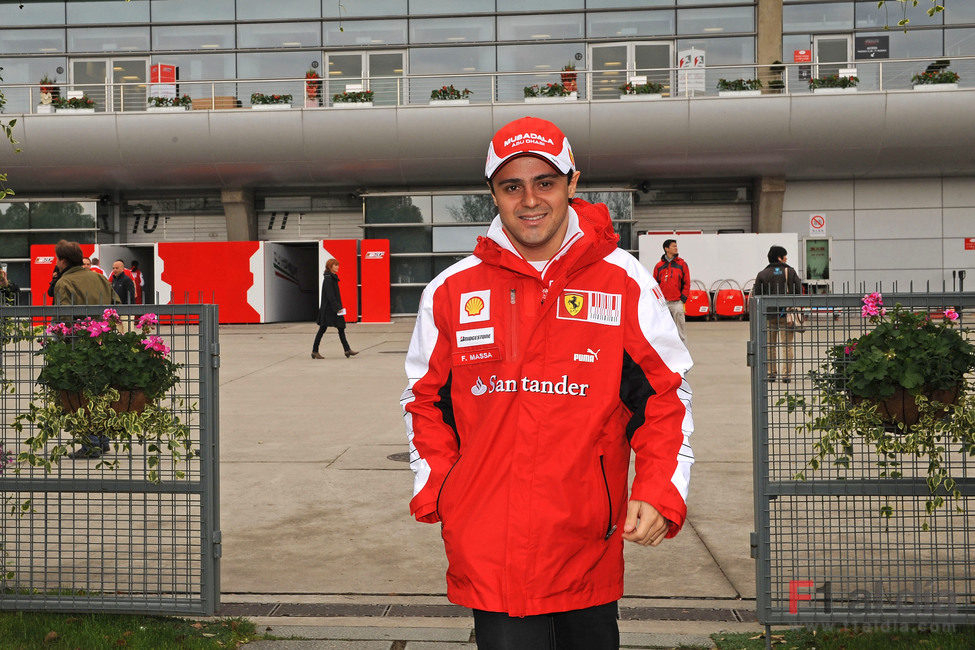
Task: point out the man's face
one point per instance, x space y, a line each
86 263
671 250
533 202
118 268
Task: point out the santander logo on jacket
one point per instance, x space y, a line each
528 391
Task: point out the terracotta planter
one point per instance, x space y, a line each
128 401
901 407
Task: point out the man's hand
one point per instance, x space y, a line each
644 525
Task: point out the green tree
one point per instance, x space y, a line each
903 22
8 130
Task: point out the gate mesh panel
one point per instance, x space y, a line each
98 538
822 547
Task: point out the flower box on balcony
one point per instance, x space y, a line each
929 87
739 93
45 108
641 97
74 111
834 91
571 97
271 107
352 105
449 102
167 109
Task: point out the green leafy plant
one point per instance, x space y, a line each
935 77
185 100
902 389
739 84
74 102
834 81
449 92
548 90
648 88
92 355
261 98
354 97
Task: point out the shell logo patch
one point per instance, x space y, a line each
475 306
591 307
574 302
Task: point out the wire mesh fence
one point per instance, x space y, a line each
109 507
846 535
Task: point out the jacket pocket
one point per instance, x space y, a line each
443 485
610 525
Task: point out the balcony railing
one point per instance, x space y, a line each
486 88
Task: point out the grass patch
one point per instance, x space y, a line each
29 630
963 638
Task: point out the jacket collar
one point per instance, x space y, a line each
589 237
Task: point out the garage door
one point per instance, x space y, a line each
707 218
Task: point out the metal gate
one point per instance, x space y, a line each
827 549
136 530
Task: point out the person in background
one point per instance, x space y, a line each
674 278
76 286
778 278
138 280
331 312
122 283
94 266
86 262
9 291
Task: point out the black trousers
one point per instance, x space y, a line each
321 332
592 628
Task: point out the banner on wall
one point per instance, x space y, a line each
375 281
42 262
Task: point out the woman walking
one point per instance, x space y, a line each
331 311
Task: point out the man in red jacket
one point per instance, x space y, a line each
532 378
674 278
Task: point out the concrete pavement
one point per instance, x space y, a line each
317 537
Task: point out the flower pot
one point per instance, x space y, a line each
571 97
352 105
930 87
739 93
167 109
313 103
449 102
834 91
901 406
271 107
641 97
569 80
128 401
74 111
45 108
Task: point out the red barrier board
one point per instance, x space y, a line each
230 274
42 262
375 280
345 251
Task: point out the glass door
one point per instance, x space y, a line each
101 80
91 78
609 70
613 65
390 89
832 53
360 68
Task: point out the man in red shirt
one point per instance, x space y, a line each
674 278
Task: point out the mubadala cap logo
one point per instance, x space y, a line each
529 136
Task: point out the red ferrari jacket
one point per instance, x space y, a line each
527 392
674 278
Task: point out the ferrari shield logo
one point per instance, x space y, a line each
574 303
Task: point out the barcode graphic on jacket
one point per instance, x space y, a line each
590 306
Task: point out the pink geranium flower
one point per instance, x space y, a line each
873 305
951 314
156 344
111 315
98 327
146 322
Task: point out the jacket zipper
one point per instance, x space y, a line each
442 484
513 325
610 527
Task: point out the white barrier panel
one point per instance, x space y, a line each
731 256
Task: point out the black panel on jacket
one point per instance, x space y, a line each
446 406
635 390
